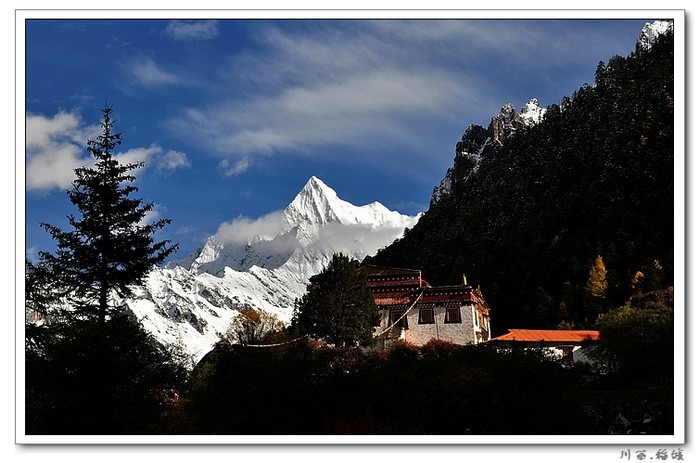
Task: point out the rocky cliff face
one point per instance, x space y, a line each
478 142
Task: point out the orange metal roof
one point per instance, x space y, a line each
549 335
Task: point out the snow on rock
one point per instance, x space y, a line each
478 141
264 263
651 32
531 113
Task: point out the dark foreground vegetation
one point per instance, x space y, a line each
113 379
97 378
440 388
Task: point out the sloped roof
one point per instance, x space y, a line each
561 336
388 271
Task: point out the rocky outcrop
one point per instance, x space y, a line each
478 142
651 32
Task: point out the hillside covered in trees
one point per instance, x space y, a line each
570 217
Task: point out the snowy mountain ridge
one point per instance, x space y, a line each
264 263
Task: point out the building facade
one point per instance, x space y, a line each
414 311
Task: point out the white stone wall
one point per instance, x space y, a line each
459 333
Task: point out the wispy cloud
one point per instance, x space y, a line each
342 112
231 168
139 155
155 214
186 230
272 233
165 162
192 30
525 44
317 91
243 230
363 84
148 73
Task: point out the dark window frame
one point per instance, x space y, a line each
453 311
403 321
430 319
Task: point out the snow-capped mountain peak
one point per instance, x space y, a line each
263 263
316 203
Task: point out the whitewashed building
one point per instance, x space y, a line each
414 311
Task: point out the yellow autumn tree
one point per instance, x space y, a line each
597 278
253 326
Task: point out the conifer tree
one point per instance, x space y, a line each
338 307
110 247
597 278
39 289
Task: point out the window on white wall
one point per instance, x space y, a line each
426 316
402 321
453 316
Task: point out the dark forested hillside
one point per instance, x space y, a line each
593 179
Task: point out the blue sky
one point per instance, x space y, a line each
232 117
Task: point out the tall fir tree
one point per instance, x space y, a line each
110 247
338 307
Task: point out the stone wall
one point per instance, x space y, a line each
420 333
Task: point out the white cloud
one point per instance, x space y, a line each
165 162
242 230
199 30
56 146
42 130
172 160
271 233
54 150
525 44
366 85
139 155
350 110
148 73
359 239
186 230
232 168
312 91
153 215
